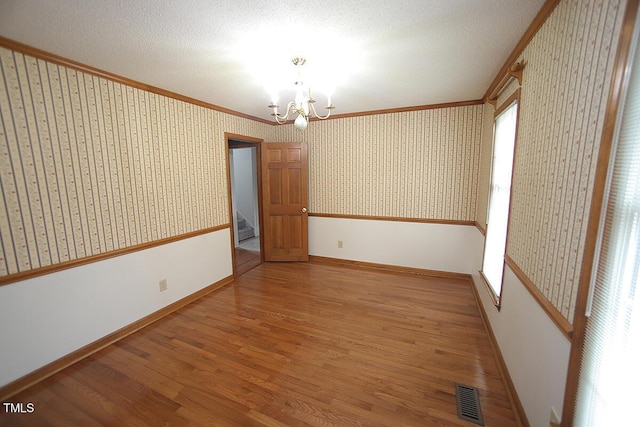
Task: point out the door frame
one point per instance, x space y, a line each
232 141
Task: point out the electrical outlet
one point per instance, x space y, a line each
163 285
339 244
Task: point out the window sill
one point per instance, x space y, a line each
494 298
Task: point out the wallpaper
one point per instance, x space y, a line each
484 167
563 100
418 164
90 166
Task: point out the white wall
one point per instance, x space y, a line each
244 184
535 351
442 247
47 317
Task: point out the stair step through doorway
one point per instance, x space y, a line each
245 229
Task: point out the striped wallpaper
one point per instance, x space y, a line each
563 98
418 164
484 166
90 166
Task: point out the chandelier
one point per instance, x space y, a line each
303 103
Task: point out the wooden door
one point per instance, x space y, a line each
284 196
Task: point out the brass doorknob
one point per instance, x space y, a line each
304 210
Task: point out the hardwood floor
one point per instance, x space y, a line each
290 344
245 260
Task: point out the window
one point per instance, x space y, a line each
609 370
504 137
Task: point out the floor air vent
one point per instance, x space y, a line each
468 404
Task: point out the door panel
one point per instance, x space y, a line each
275 188
285 179
294 190
295 236
276 232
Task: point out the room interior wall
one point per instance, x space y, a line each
417 164
449 248
98 166
564 90
411 174
569 64
98 169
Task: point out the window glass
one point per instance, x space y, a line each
609 371
499 197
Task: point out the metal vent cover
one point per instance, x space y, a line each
468 404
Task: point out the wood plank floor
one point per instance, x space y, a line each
289 344
245 260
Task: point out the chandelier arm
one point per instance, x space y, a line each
315 113
282 119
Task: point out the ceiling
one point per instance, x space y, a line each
371 54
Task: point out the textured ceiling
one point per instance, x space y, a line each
373 55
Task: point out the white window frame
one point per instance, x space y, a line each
499 205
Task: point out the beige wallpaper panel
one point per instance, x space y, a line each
419 164
484 165
89 166
563 99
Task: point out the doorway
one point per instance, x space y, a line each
275 227
246 202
